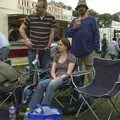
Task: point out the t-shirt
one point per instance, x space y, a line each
61 68
39 29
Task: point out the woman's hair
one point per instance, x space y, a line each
66 43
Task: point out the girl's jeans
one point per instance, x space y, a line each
48 87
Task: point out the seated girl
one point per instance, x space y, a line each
62 67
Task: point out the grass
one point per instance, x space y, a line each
102 109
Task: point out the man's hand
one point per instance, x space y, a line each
28 43
49 45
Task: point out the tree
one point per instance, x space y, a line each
75 13
115 17
93 13
105 20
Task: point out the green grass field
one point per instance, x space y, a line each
102 109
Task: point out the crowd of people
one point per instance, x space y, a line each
85 36
111 48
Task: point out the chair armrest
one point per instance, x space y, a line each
117 82
80 73
115 89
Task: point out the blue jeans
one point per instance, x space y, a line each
48 87
4 51
44 60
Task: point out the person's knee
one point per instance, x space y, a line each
39 86
52 86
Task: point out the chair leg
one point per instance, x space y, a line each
59 102
111 102
115 109
110 115
14 97
95 115
6 99
72 98
79 109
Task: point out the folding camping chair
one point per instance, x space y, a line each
105 84
8 83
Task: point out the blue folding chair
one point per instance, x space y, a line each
105 84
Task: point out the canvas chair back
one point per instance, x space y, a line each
106 73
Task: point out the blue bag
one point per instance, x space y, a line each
44 113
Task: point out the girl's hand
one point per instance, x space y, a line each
56 78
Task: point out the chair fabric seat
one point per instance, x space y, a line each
94 91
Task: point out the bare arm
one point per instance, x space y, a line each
51 38
22 31
53 70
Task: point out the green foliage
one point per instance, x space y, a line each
105 20
61 27
93 13
115 17
75 13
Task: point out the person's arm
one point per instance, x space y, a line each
51 37
96 35
52 31
53 69
23 28
72 29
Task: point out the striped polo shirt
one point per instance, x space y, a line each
39 29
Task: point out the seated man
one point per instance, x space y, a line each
62 67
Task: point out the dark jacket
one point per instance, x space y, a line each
86 39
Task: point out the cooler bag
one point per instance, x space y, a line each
44 113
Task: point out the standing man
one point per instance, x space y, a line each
40 29
85 36
4 47
104 46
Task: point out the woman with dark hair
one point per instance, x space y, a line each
62 67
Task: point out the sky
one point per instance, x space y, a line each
100 6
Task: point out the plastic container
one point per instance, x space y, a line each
12 112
